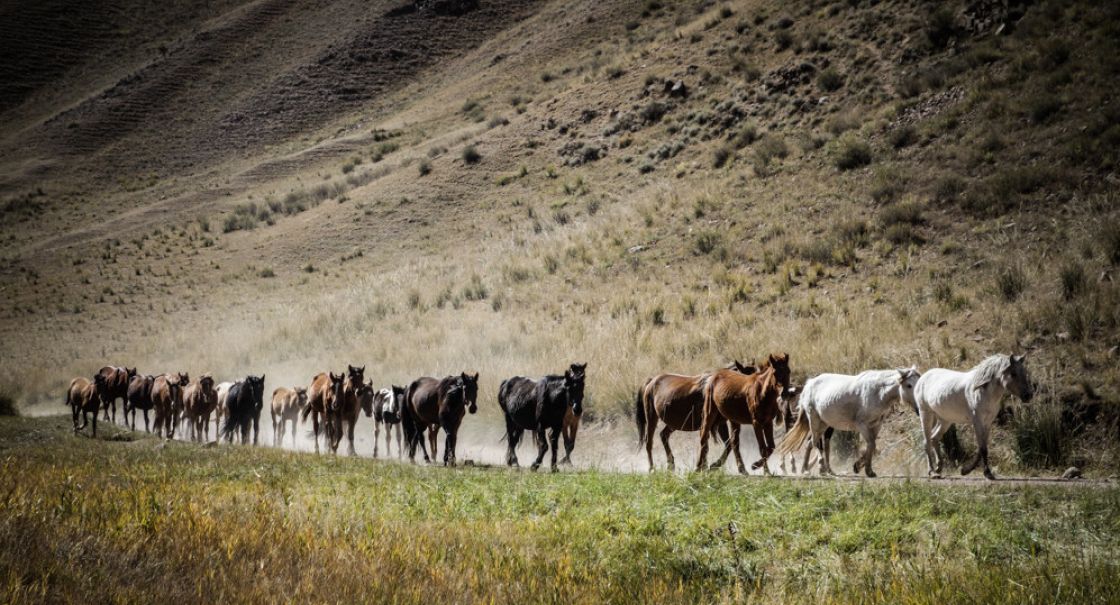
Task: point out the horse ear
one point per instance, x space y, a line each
362 369
1018 359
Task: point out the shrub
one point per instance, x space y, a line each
1040 108
1005 189
657 316
705 242
908 213
8 405
1109 237
1073 279
948 188
471 155
850 152
771 146
940 27
888 184
266 273
1011 281
721 156
424 167
244 217
475 289
1039 439
830 80
901 234
783 39
903 136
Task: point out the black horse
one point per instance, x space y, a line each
243 408
539 406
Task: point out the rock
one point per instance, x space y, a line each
1113 351
1062 336
1072 473
636 249
942 323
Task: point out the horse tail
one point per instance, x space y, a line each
408 423
796 436
707 386
640 414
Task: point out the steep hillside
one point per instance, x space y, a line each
646 186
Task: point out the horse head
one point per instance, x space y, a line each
907 378
100 387
746 369
1016 379
301 396
469 383
206 381
780 363
256 389
184 379
338 383
573 383
355 377
396 400
365 398
129 374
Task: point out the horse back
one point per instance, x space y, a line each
677 399
423 399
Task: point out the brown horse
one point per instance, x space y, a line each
744 399
84 397
325 389
569 430
199 401
286 406
678 402
347 408
139 398
116 385
435 403
167 399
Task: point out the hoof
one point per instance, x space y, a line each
966 470
555 469
855 468
935 475
871 473
534 467
989 475
743 471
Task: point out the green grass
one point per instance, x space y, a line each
108 520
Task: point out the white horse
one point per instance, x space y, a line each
387 410
220 409
847 403
946 397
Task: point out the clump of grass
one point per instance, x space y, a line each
475 289
471 155
1073 279
903 136
830 80
1011 282
1109 237
721 156
8 405
706 242
850 152
246 216
266 273
1039 438
424 167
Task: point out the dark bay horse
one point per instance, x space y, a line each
540 406
387 411
167 399
85 396
678 402
346 408
243 408
199 401
139 398
325 388
435 403
116 387
744 399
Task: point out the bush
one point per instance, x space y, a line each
425 167
850 152
908 213
244 217
1039 439
1073 279
771 146
901 234
830 80
721 156
948 188
1011 281
1109 237
471 155
1040 108
903 136
8 405
941 27
266 273
705 242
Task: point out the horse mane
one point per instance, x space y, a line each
988 370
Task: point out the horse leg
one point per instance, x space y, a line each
400 452
95 424
350 438
940 428
760 438
869 434
982 433
513 438
553 442
569 442
542 447
315 429
826 452
147 427
256 429
377 438
432 433
451 436
671 462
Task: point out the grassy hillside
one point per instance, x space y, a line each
195 524
286 187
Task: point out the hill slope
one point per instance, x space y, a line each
646 186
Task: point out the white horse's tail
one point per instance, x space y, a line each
796 437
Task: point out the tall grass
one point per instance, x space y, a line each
112 521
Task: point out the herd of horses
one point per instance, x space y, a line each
715 404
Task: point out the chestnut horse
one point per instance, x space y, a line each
116 386
346 409
325 389
286 406
84 397
744 399
387 411
220 409
139 398
569 430
199 401
167 399
678 402
438 403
